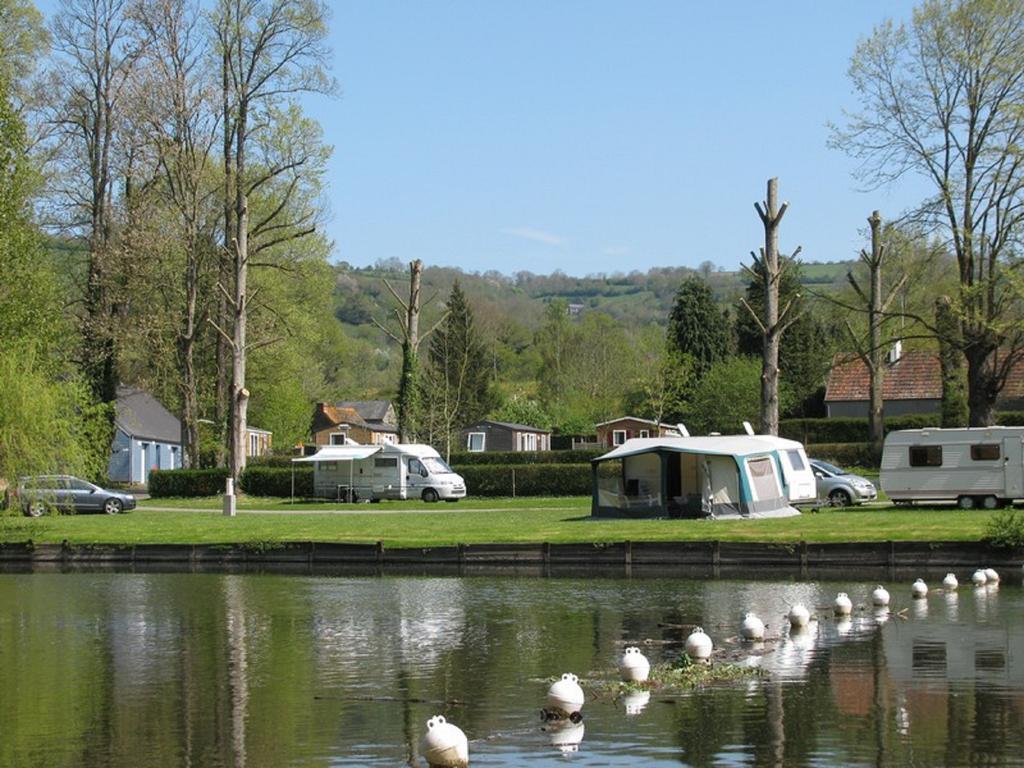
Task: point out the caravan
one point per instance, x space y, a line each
974 466
375 472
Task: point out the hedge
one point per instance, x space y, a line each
277 481
843 454
505 458
187 482
530 479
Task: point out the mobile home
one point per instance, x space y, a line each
973 466
375 472
714 476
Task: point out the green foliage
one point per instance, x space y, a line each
520 409
187 482
843 454
277 481
1006 529
527 479
697 327
463 459
729 394
851 429
662 386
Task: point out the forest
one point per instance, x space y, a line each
161 206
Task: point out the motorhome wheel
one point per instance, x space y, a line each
430 495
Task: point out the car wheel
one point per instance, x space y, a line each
430 495
113 506
35 509
965 502
839 498
990 502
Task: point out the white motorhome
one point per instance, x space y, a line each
375 472
974 466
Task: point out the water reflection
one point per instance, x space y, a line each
233 670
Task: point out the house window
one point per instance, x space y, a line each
338 438
618 436
254 444
531 442
985 452
475 442
644 433
926 455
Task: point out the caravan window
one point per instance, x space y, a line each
985 452
795 460
926 455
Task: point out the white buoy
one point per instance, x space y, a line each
565 736
979 578
799 616
950 581
698 645
843 606
880 596
919 589
634 666
992 575
565 695
444 745
636 701
752 628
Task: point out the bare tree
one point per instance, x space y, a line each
95 59
876 306
175 105
768 269
271 50
940 99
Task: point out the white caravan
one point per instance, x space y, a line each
975 466
375 472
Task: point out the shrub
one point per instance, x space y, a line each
1006 529
277 481
530 480
843 454
464 459
187 482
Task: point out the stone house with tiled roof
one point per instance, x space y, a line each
338 424
912 384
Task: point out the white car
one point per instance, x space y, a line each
839 487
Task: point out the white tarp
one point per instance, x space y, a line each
342 453
724 445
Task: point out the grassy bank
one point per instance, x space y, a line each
413 524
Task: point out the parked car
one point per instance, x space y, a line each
839 487
68 494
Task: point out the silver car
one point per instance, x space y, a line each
839 487
41 493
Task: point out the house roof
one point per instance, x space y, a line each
509 425
139 414
917 375
369 410
330 416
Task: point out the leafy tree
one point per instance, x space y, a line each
520 409
728 395
941 99
662 387
697 327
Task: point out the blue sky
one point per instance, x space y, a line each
591 136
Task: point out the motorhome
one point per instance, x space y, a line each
375 472
973 466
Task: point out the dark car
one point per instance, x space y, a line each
69 494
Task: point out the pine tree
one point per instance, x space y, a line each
697 327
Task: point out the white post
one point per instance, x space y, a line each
229 498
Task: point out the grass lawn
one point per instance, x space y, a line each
414 524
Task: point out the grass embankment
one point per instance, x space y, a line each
477 521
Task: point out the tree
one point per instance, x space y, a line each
727 395
940 100
697 327
457 385
768 270
662 388
955 412
271 51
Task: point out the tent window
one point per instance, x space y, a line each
762 471
926 455
618 436
985 452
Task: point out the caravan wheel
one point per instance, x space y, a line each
965 502
990 502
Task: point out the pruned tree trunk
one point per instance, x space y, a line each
222 409
876 354
239 304
408 394
955 412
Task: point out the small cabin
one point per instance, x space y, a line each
489 435
618 431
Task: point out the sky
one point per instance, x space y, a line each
592 136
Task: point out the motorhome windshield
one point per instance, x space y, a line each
436 466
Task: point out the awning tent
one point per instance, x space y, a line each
330 454
713 476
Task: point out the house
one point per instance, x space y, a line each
490 435
340 425
617 431
257 442
372 411
720 476
912 384
146 437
